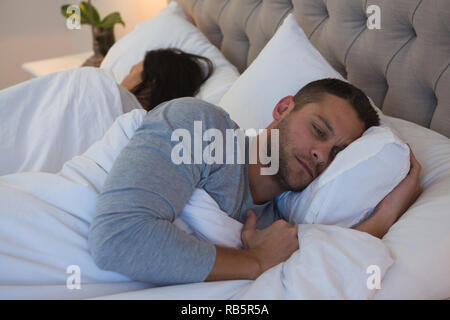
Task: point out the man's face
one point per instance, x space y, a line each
311 137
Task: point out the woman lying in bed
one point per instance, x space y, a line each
166 74
79 105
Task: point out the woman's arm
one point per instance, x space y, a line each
134 78
395 204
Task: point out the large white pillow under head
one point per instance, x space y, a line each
347 192
287 63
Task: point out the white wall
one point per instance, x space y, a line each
35 29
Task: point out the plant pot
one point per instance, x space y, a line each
102 42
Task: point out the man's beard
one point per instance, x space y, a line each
282 176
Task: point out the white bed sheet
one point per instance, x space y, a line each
420 240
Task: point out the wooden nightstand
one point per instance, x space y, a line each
43 67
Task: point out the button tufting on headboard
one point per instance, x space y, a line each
403 66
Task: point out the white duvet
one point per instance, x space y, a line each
44 223
48 120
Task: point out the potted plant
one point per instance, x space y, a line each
102 30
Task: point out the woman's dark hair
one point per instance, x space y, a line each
314 92
170 74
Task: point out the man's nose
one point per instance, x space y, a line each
321 156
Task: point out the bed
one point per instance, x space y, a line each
398 52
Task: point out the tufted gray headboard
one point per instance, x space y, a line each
403 67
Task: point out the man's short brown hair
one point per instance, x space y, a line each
314 92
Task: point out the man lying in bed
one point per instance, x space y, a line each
132 232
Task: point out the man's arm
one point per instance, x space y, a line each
132 231
395 204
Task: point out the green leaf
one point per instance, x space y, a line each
85 14
64 10
110 20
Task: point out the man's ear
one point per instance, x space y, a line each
283 108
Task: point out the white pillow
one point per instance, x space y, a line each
346 193
420 240
170 29
287 63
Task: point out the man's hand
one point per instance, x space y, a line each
406 193
269 246
396 203
263 249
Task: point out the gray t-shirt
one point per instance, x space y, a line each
132 231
